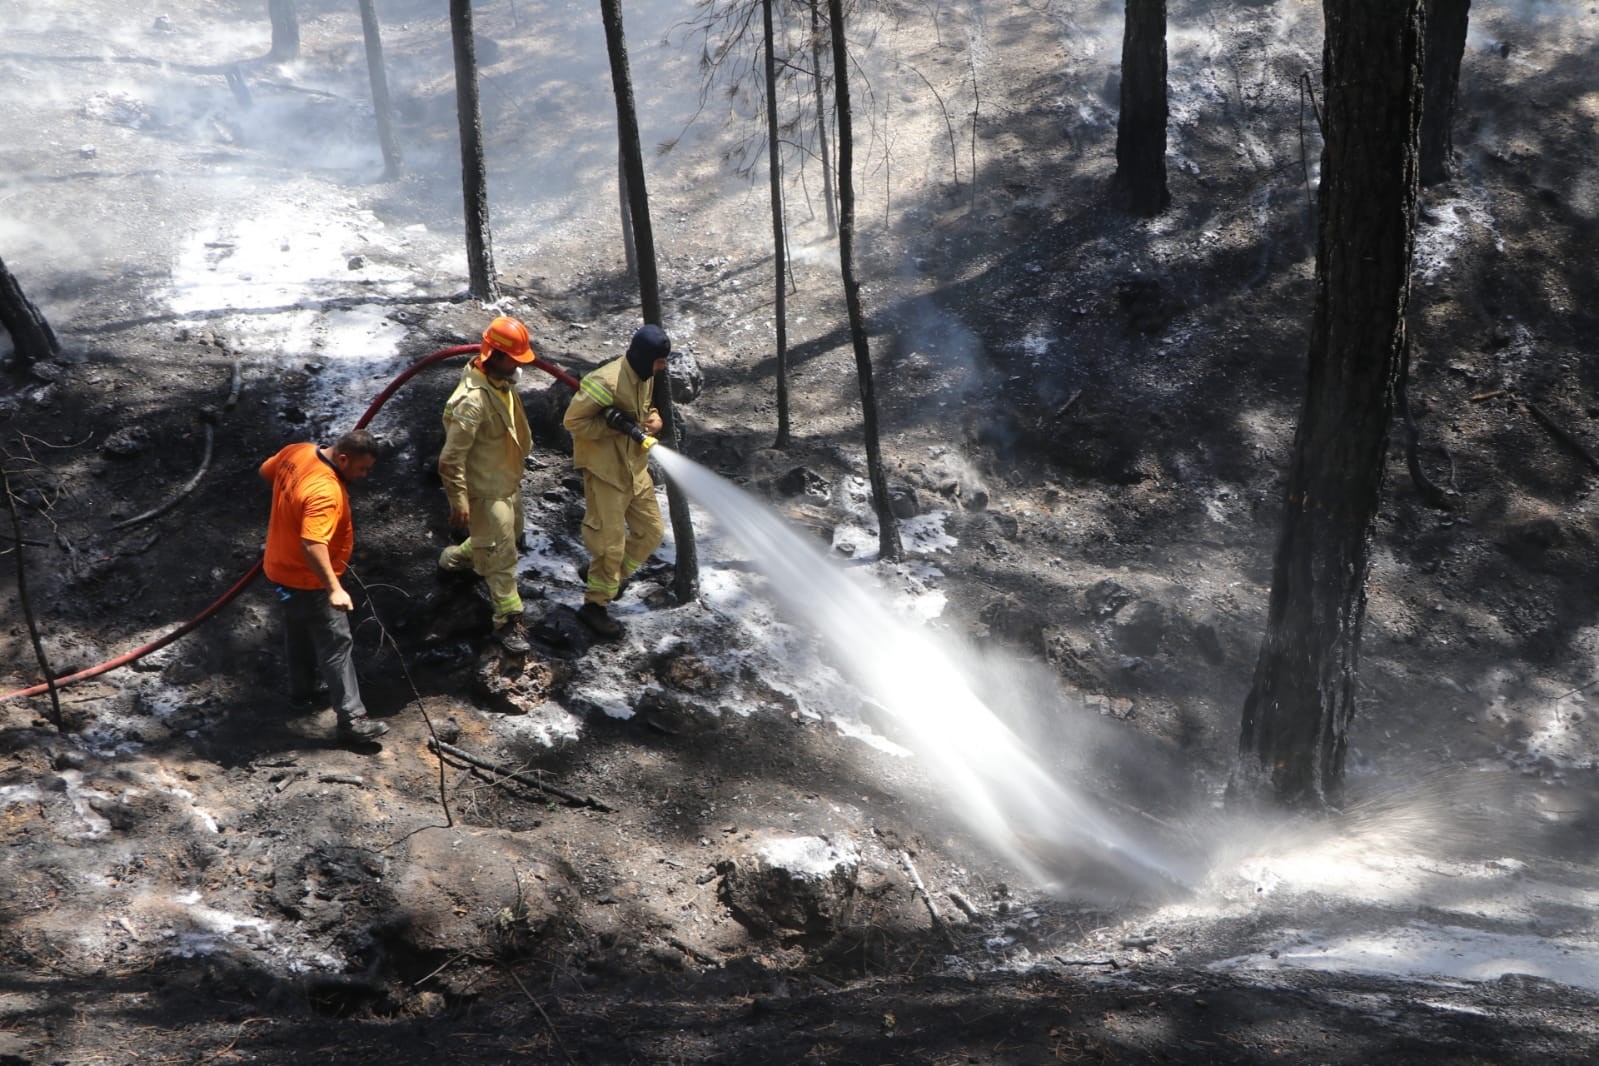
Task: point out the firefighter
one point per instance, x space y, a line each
486 441
621 520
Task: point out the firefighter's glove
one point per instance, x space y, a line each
623 424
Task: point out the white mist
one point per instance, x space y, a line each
1042 825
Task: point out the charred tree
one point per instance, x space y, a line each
474 175
817 52
285 31
686 579
32 339
1296 716
1447 21
378 76
887 526
1141 124
774 166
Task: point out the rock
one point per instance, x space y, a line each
126 442
804 481
688 381
545 408
356 262
903 501
1106 597
789 886
1016 621
1142 629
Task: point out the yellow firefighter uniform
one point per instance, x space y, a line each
622 521
486 439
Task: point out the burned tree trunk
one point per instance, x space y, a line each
474 175
817 51
1141 125
379 78
686 579
1447 21
774 167
32 339
1297 714
285 31
887 526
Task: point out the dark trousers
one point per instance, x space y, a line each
317 642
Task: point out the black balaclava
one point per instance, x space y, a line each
649 344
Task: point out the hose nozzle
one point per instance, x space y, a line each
628 428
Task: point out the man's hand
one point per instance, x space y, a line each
461 518
652 423
340 600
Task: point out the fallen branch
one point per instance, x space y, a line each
692 952
1088 962
916 879
518 776
188 487
1560 434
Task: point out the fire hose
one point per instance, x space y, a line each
613 418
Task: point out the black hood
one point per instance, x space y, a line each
649 344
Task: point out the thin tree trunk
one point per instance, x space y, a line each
27 602
285 31
379 78
32 339
1141 125
1447 21
474 175
774 167
887 526
629 246
686 578
1296 717
817 52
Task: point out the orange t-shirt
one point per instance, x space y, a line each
309 501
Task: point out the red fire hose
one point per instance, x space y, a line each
239 585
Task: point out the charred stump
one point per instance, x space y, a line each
32 339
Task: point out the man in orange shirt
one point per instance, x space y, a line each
309 538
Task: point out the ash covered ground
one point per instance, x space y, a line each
1089 417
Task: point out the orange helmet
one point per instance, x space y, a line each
506 334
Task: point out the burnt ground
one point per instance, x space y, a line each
1102 411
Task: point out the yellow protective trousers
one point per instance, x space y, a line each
620 530
494 525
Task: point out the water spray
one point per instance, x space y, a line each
1046 827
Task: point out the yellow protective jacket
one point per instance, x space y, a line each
597 448
486 439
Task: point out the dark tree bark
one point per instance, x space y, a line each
1447 21
285 30
686 578
32 339
379 78
1141 125
1296 717
828 196
774 167
888 544
474 175
629 247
